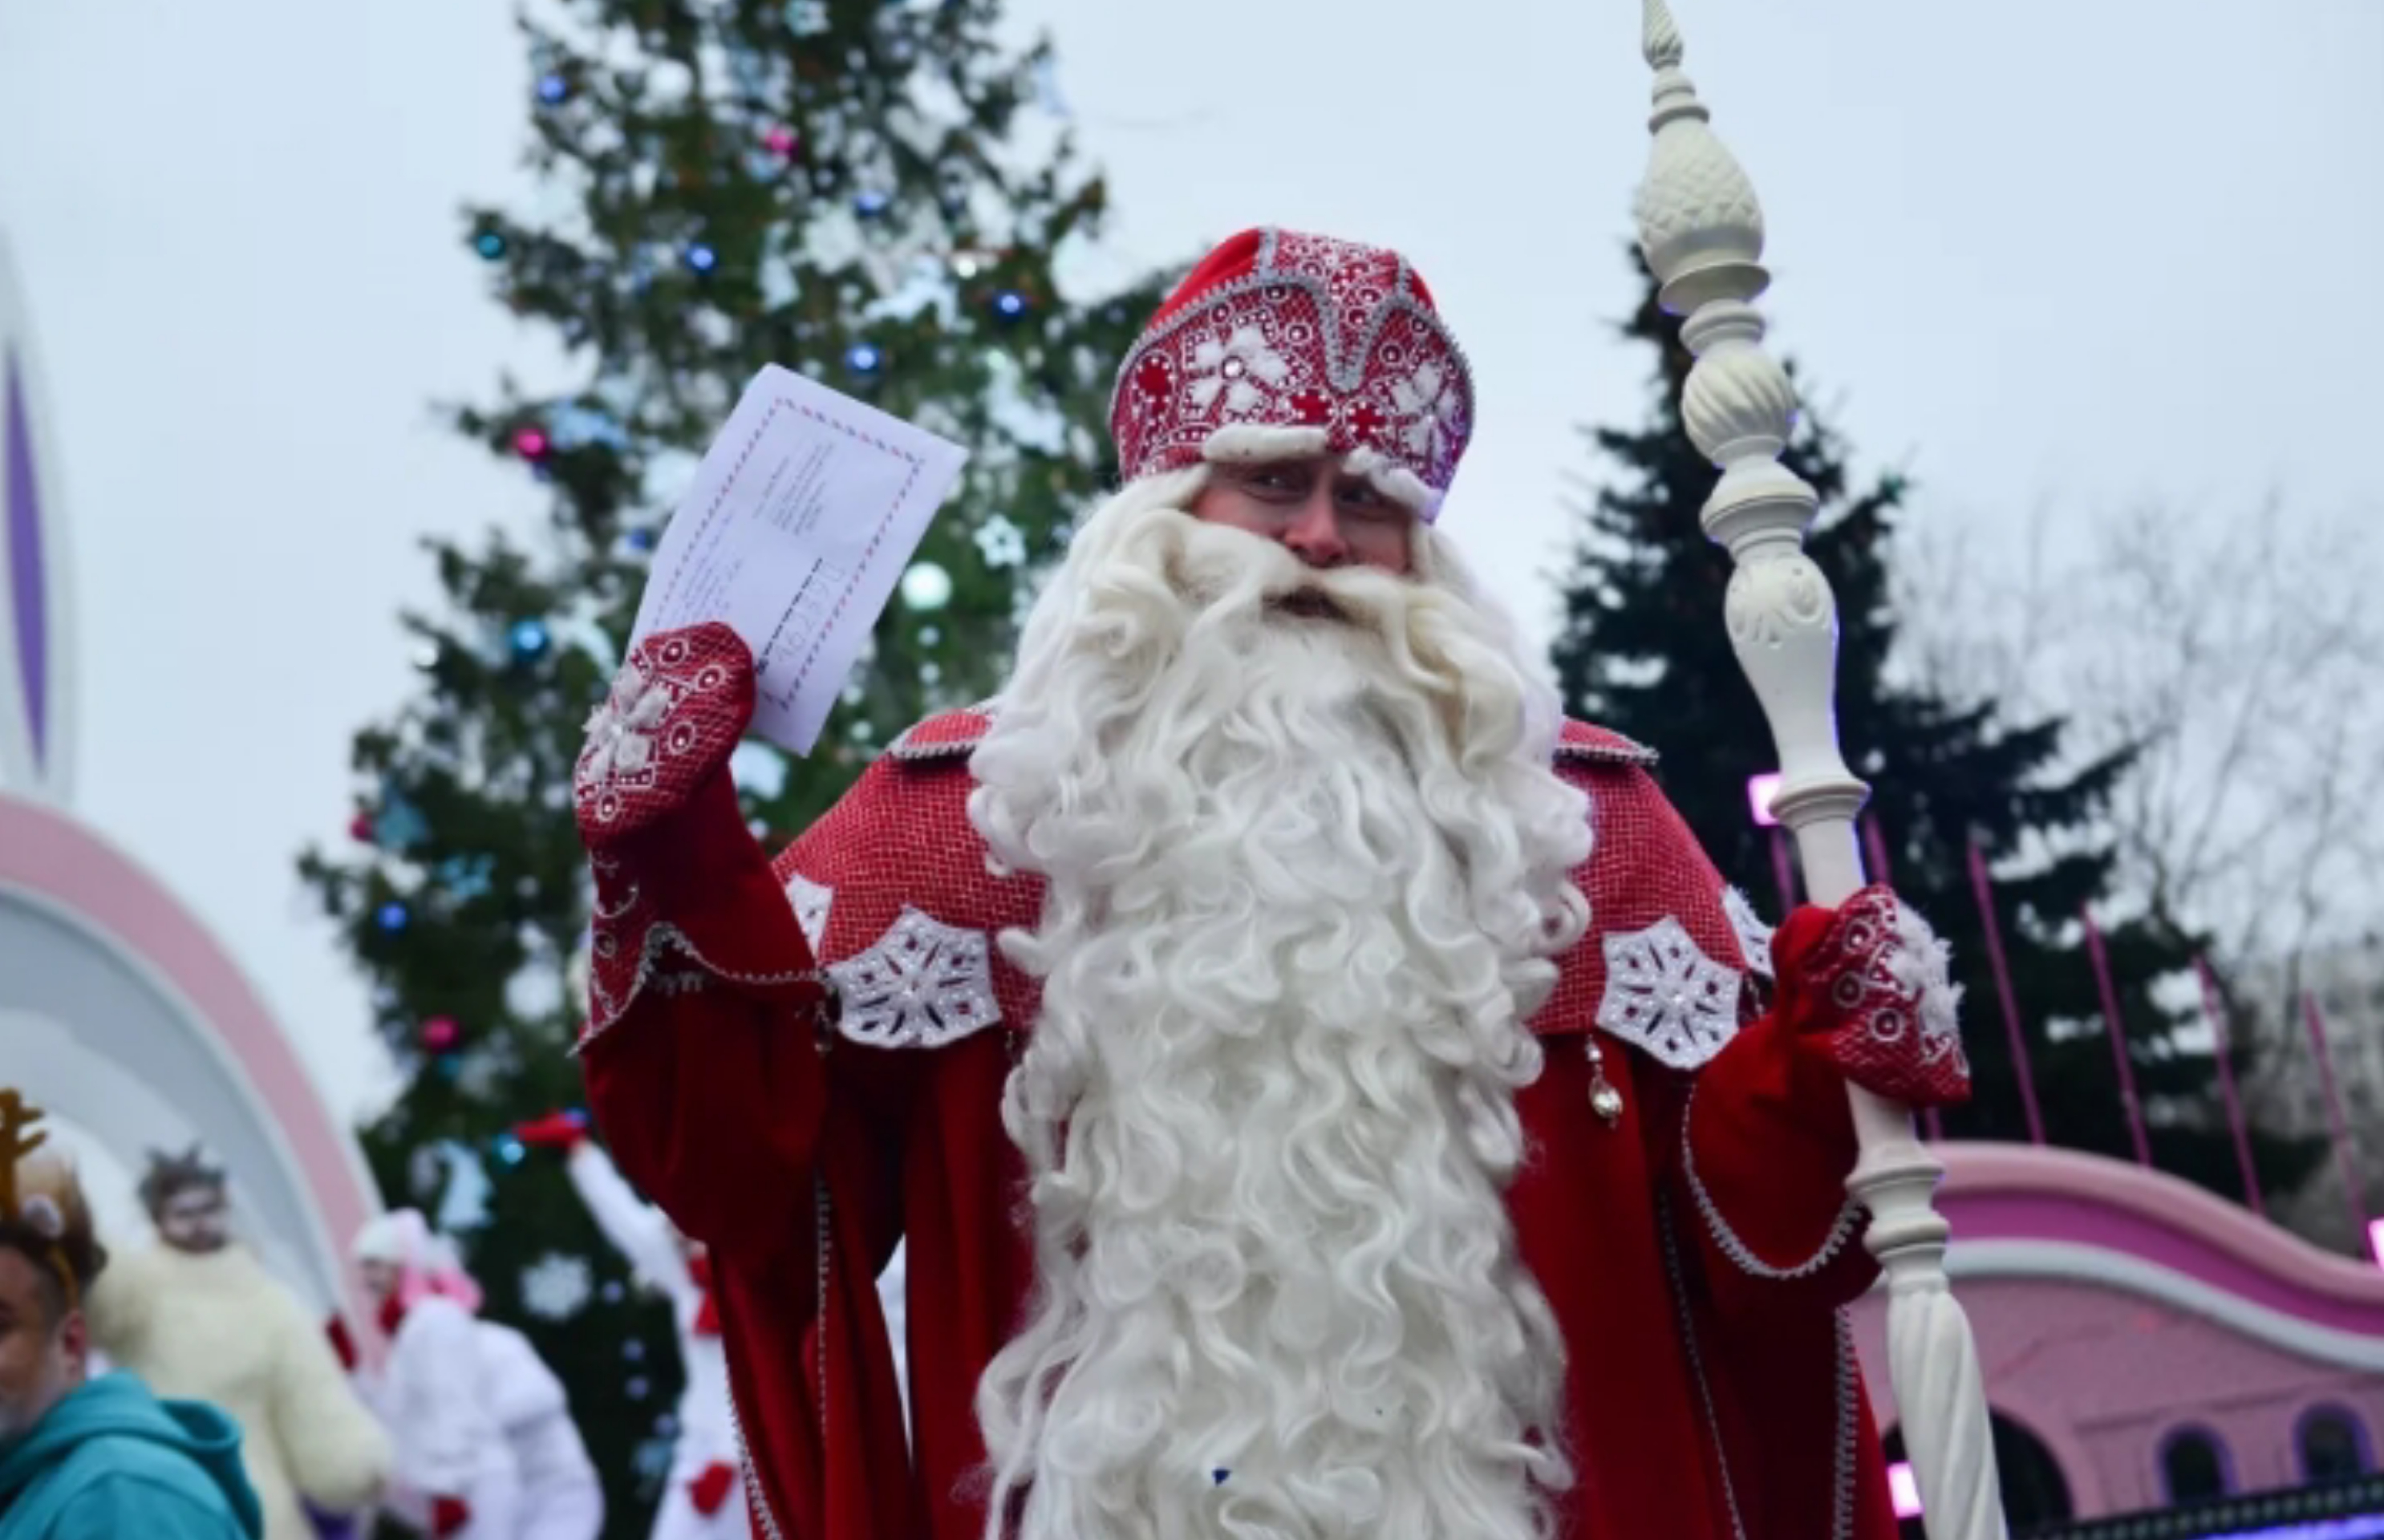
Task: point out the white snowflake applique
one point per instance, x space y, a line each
1427 402
1668 997
924 984
620 732
811 902
1231 366
1754 936
556 1287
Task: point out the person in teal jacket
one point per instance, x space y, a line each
84 1458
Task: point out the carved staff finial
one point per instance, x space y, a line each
1701 228
1660 40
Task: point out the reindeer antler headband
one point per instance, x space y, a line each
38 1211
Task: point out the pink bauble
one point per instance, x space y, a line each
361 827
780 141
440 1033
530 443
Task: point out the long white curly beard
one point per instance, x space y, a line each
1305 877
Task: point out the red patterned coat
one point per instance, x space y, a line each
1696 1249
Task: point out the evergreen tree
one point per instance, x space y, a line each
1642 650
871 193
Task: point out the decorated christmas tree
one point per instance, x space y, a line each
1642 650
876 194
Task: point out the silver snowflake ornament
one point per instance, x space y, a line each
556 1288
1665 995
923 985
1754 936
811 902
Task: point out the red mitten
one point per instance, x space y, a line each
675 715
682 890
1866 987
341 1343
554 1131
708 1490
448 1516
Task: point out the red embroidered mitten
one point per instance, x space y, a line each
1866 987
554 1131
675 712
710 1490
448 1516
341 1343
684 895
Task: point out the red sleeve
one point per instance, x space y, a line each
1752 1140
1758 1165
703 1057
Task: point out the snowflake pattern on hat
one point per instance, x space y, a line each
1306 335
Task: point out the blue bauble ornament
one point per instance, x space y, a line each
862 358
530 640
491 245
553 89
392 916
701 259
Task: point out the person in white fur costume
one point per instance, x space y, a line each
486 1447
704 1499
199 1318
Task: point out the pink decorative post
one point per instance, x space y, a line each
2021 1071
2343 1150
2215 1012
1782 872
1760 790
2118 1030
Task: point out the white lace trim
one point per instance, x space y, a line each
1668 997
921 985
1921 965
661 942
1841 1487
811 902
1754 936
1726 1240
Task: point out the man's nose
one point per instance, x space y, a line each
1314 533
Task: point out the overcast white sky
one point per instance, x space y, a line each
2062 254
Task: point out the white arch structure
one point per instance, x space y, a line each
120 1011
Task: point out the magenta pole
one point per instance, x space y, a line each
2021 1071
2216 1013
1875 850
2343 1152
2118 1030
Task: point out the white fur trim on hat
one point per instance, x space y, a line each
1251 444
1395 481
1246 443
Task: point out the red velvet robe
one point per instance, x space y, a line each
1697 1252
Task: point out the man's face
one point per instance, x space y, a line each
42 1346
193 1218
381 1279
1314 508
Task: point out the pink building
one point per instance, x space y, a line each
2148 1345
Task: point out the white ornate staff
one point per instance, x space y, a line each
1702 231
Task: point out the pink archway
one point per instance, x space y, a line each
106 929
2114 1306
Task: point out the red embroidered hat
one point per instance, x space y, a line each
1283 344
